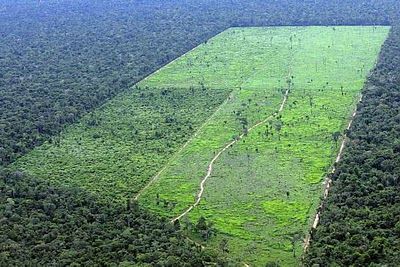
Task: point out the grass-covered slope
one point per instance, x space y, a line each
264 189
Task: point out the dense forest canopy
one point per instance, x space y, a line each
44 225
61 59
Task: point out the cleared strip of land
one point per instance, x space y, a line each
264 190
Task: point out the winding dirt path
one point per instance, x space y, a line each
211 164
182 148
328 180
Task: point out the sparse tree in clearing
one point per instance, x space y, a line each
278 127
158 199
310 101
245 131
165 202
335 137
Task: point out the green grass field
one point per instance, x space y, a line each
263 190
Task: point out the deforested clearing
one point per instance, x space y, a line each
264 189
274 100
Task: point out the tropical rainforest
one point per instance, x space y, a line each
65 64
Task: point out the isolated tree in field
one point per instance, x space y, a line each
278 127
335 136
311 101
245 131
158 199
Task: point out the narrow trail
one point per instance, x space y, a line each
328 180
152 180
211 164
182 148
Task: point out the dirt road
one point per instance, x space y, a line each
211 164
328 180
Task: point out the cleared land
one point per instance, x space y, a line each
264 189
115 150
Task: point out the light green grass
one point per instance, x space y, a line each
246 196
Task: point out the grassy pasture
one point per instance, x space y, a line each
265 189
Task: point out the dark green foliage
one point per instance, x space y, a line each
45 225
204 229
361 217
61 59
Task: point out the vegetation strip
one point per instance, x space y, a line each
264 191
114 151
179 151
328 179
210 166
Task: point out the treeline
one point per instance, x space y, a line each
43 225
360 222
61 59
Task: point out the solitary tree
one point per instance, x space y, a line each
278 127
335 137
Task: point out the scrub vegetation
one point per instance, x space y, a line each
116 149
